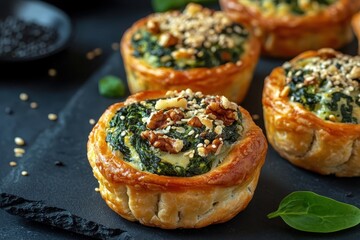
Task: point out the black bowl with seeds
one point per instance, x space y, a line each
31 30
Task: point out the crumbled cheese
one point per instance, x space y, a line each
171 103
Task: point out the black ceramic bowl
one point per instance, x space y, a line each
40 28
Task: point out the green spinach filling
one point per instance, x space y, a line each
127 125
326 87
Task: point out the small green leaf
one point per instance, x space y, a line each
111 86
165 5
310 212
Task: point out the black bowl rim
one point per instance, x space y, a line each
58 49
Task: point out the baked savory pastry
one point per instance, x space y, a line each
289 27
356 28
312 112
176 160
199 49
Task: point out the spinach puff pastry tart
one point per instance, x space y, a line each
289 27
176 159
199 49
312 112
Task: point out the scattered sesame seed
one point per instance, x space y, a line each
97 189
191 132
19 151
33 105
92 121
19 141
255 116
12 164
52 116
122 117
332 118
97 51
52 72
23 97
24 173
90 55
115 46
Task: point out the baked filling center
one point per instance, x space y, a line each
197 37
327 85
184 134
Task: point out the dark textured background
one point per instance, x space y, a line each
76 100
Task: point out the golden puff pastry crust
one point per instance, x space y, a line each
231 79
177 202
356 27
303 138
287 35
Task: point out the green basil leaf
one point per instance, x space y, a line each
310 212
111 86
165 5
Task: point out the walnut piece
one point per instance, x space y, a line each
195 122
222 109
153 26
167 40
163 142
214 148
161 119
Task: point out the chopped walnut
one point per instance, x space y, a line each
214 147
161 119
153 26
223 110
163 142
167 40
195 122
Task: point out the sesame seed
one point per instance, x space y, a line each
332 118
97 51
90 55
19 141
23 97
19 150
122 117
92 121
52 72
33 105
97 189
191 132
24 173
115 46
52 117
255 117
12 164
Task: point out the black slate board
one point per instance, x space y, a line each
72 186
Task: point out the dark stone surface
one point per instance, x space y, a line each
72 186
